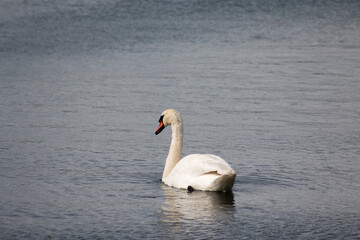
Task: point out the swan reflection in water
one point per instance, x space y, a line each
198 212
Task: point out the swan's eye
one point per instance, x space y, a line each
161 119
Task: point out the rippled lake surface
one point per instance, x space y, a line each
273 87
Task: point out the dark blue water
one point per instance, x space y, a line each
272 87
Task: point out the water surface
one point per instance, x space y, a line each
273 88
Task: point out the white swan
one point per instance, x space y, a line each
204 172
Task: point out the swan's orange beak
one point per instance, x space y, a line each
161 126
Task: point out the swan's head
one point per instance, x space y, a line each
168 117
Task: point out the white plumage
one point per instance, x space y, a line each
204 172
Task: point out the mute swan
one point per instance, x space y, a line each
204 172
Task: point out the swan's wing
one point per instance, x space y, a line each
197 165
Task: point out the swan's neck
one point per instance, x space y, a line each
175 149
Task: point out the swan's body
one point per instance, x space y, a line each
204 172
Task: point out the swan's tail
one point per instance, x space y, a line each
226 181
